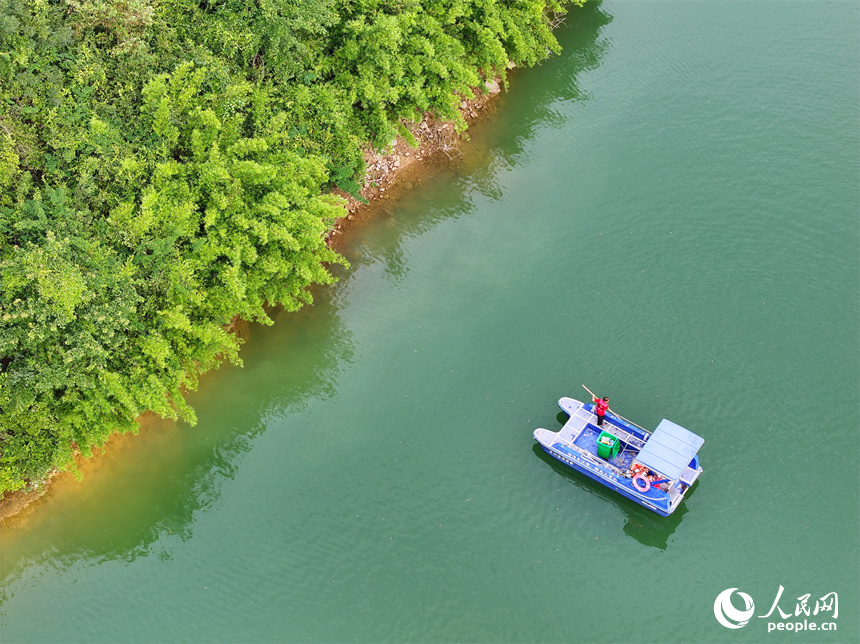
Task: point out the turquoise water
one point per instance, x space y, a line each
668 213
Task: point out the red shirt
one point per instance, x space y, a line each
601 408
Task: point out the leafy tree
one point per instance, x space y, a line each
165 167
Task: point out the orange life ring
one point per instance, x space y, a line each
639 477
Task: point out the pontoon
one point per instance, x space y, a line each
654 469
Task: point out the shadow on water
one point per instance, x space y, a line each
646 527
541 94
152 486
146 488
536 100
539 98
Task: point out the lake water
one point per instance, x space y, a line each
667 212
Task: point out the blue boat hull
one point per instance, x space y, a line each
607 482
575 446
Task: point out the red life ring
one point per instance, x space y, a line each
639 477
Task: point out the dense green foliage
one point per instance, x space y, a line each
165 167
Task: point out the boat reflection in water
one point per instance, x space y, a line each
646 527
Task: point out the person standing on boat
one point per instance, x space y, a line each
600 408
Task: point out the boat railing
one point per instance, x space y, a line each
596 459
630 422
634 441
583 415
576 424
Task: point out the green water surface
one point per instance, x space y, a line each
668 212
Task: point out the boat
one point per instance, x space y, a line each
654 469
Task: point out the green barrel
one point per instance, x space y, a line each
607 445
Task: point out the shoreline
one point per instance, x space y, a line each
388 176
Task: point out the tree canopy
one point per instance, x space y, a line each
166 166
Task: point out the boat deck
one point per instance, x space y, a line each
581 430
580 418
587 440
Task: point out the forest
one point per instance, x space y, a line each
167 166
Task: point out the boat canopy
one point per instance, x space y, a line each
670 449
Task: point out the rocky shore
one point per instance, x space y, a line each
394 172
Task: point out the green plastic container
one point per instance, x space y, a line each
608 445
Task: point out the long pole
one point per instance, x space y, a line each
618 415
596 397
